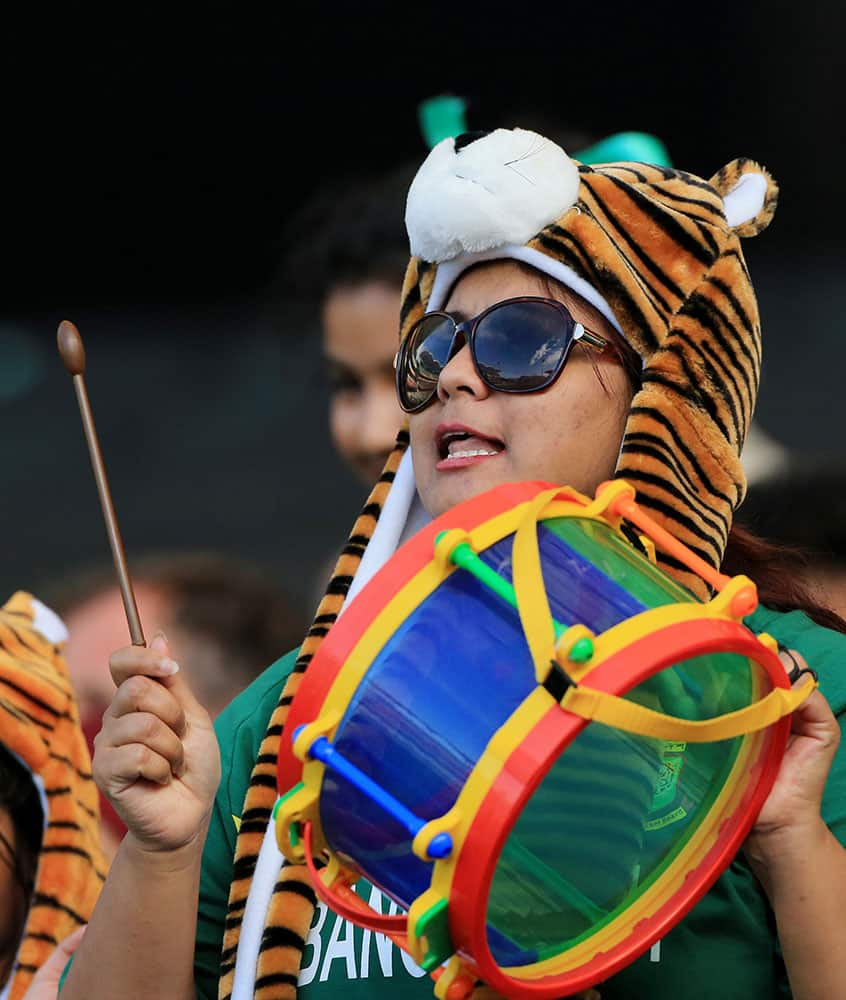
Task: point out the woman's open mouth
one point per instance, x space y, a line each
459 446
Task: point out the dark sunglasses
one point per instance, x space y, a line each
517 345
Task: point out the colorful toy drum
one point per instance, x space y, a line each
532 739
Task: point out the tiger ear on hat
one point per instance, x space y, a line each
749 196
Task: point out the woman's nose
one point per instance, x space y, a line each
460 375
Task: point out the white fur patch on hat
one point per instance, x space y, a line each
503 188
48 623
746 199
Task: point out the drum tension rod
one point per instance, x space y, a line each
466 558
440 846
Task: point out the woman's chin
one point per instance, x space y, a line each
453 486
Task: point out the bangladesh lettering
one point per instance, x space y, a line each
376 955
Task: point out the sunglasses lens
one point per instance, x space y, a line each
424 356
520 346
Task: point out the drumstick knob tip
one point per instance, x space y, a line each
70 347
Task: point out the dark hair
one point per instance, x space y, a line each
19 799
779 571
352 233
626 357
805 510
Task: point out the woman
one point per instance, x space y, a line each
628 258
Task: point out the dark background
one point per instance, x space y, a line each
151 159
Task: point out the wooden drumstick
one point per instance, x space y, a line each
73 357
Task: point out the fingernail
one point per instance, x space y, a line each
168 667
159 642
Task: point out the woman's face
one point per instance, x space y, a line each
569 433
359 343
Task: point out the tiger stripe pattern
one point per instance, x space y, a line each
292 903
654 242
39 723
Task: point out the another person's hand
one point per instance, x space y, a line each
45 985
790 819
156 758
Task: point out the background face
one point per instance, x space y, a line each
151 164
360 340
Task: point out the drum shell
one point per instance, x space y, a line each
420 732
438 690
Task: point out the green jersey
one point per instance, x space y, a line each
727 939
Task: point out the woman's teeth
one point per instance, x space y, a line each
470 446
470 454
457 445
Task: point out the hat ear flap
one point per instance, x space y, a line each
749 196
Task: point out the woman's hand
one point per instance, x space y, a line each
156 758
790 819
798 860
157 761
45 985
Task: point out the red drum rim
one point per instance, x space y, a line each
526 767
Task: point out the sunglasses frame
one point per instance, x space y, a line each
468 328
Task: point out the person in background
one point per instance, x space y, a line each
226 617
51 866
354 252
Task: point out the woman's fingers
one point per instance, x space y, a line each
148 731
116 768
177 686
154 661
814 738
143 694
155 733
816 712
793 805
65 948
143 728
46 982
813 718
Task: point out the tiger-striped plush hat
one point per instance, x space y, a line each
39 725
657 252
